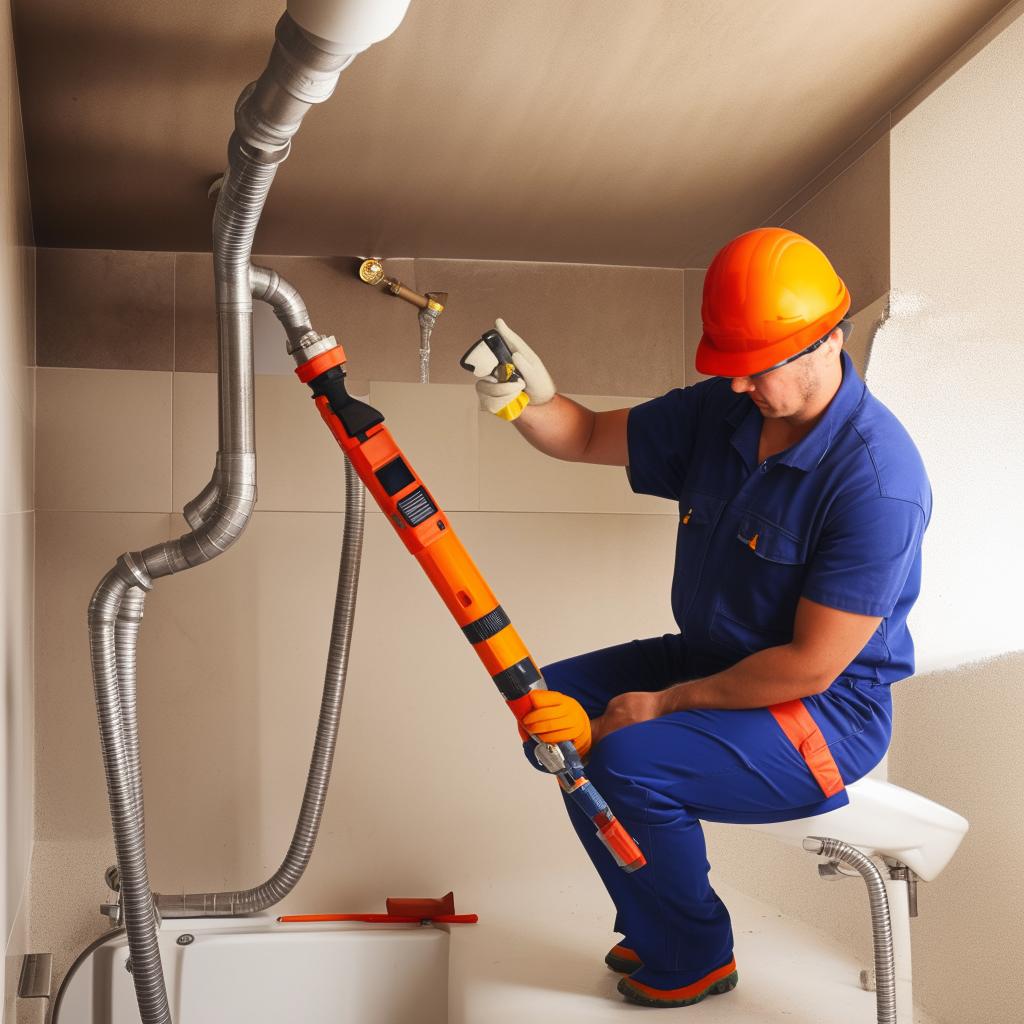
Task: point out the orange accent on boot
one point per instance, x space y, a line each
623 959
687 991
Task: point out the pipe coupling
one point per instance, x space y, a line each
298 75
132 569
311 345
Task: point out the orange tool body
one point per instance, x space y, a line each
426 532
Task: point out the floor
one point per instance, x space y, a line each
512 967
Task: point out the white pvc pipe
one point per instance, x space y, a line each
350 25
899 916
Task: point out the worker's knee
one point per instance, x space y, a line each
614 765
565 677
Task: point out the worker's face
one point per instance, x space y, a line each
795 388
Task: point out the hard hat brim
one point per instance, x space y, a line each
714 362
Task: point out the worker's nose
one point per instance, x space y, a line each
742 385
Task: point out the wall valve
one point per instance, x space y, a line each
372 272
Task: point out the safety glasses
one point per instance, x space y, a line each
805 352
793 358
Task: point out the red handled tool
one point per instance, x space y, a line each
425 530
379 918
400 911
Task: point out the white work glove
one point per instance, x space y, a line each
505 400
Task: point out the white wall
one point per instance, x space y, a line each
950 358
949 361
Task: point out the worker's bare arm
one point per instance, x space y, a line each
564 429
825 640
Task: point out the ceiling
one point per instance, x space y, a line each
595 131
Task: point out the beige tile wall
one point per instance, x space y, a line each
17 524
103 440
602 330
694 292
452 453
517 478
370 324
108 310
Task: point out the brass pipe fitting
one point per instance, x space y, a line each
372 272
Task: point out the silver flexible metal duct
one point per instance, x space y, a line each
250 901
126 636
881 926
122 785
299 73
268 286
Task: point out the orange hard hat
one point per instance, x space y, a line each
768 294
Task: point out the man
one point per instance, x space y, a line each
802 504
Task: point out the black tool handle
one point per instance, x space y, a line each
505 370
496 343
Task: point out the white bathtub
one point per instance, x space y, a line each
254 970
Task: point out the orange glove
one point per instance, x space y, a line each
557 717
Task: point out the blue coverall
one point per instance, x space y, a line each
837 518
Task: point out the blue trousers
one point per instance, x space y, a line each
663 776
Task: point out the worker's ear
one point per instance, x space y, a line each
845 329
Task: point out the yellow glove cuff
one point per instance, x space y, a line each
514 408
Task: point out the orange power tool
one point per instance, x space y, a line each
426 532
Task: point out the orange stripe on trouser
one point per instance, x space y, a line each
795 721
